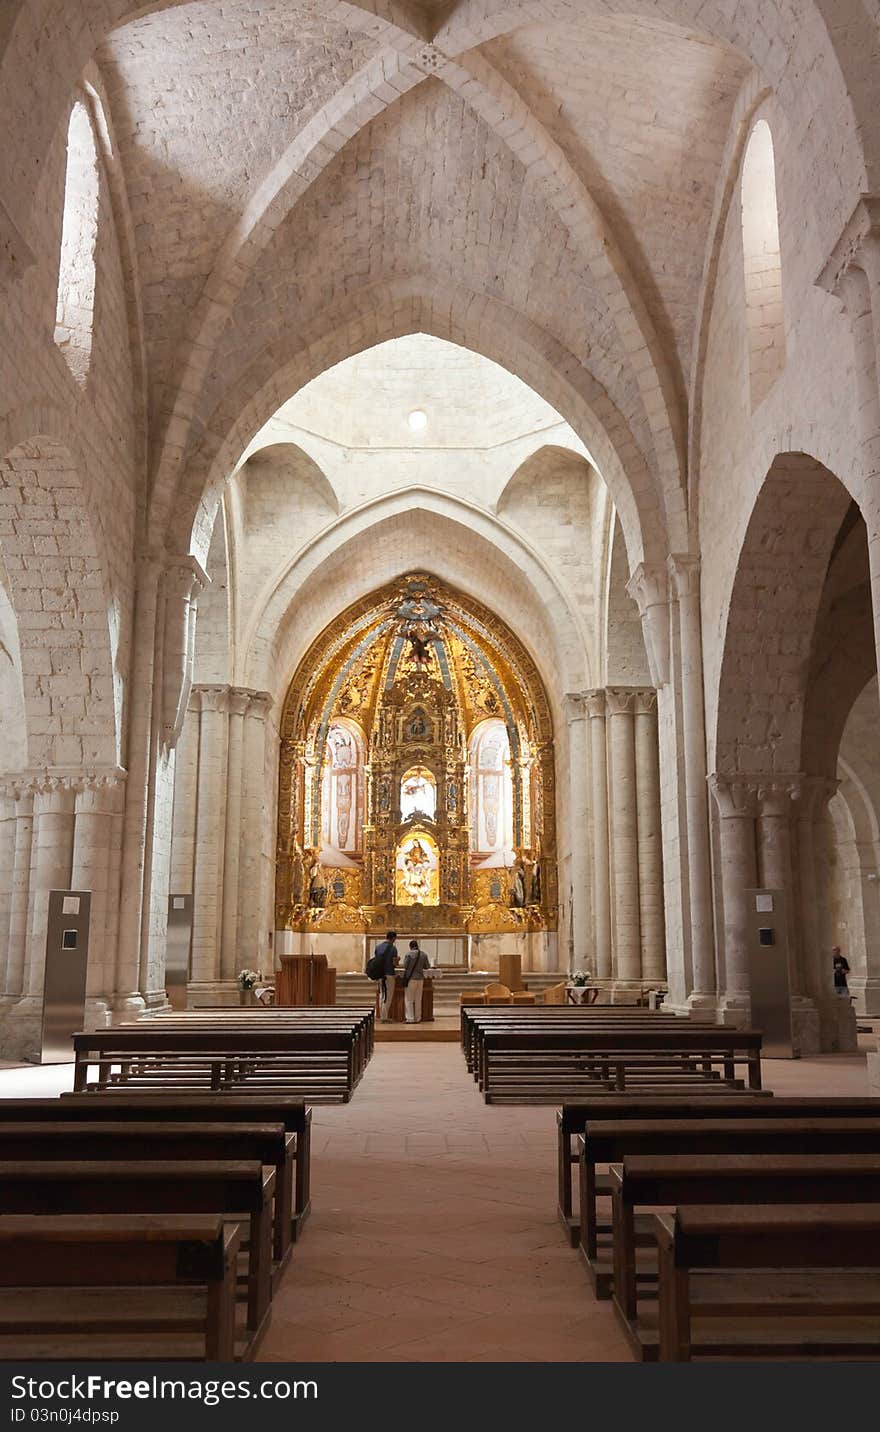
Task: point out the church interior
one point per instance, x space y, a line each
440 495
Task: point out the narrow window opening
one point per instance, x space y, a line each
74 313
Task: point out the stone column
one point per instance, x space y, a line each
811 798
778 802
230 964
51 867
7 867
627 962
775 810
868 992
143 704
186 775
737 801
595 707
98 801
20 891
256 917
836 1017
210 832
685 573
651 923
579 827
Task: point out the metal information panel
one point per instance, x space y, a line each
768 972
177 949
64 982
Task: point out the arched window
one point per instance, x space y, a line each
762 263
74 312
418 793
342 791
491 794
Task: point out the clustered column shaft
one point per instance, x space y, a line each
217 827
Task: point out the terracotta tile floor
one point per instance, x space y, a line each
433 1236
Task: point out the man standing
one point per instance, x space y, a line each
840 966
414 982
386 951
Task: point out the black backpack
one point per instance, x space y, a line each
376 963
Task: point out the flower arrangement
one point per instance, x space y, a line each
247 978
580 978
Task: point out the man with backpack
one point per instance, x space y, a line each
381 966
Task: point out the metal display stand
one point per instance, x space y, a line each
64 980
177 949
768 973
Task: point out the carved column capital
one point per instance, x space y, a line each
735 796
239 700
213 698
857 248
620 700
58 780
645 701
684 570
594 704
815 793
649 588
575 706
777 795
260 704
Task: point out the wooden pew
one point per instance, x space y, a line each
716 1101
710 1262
360 1021
79 1141
232 1188
477 1023
64 1268
647 1182
535 1056
474 1019
608 1141
300 1057
322 1078
294 1114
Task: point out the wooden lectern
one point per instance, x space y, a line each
397 1012
305 979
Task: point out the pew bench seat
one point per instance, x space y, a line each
119 1286
644 1183
785 1282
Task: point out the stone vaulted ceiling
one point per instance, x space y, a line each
288 153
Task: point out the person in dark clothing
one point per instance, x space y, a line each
387 951
841 970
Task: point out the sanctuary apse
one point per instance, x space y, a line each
417 785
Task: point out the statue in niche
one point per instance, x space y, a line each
535 893
317 883
417 872
417 726
518 886
297 875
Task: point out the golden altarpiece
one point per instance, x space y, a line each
416 787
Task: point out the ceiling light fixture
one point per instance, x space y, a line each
417 420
